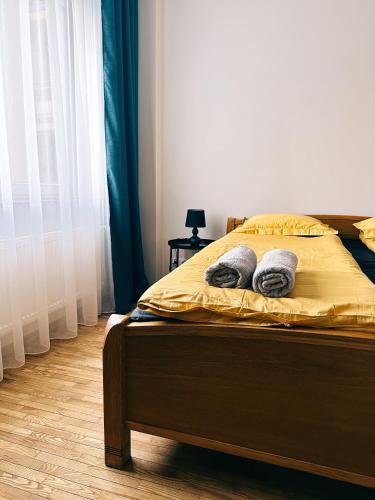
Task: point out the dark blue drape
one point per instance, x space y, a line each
120 63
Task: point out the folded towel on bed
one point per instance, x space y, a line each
233 269
275 274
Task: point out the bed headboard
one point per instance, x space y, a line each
343 223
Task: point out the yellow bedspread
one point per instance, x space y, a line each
330 291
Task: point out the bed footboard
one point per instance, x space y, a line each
298 398
116 433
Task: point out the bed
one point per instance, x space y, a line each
299 397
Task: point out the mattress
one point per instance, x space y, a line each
330 291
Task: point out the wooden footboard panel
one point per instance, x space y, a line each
297 399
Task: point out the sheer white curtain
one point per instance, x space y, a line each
55 267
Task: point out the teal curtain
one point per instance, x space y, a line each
120 63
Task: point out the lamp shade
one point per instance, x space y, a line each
195 218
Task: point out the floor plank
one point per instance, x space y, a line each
51 444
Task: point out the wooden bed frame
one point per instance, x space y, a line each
296 397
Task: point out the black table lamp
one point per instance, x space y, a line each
195 218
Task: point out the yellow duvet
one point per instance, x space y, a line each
330 290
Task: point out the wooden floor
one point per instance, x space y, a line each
51 443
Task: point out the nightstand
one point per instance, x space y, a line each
183 244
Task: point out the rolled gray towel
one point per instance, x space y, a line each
276 273
233 269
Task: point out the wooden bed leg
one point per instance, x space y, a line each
118 457
116 434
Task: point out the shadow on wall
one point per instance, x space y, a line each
217 226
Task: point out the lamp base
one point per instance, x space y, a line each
194 239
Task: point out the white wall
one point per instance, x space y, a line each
150 129
267 105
